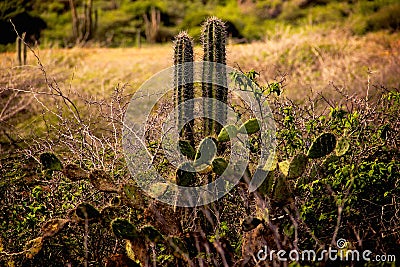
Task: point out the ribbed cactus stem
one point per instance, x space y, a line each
214 41
183 84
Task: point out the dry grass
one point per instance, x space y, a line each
311 59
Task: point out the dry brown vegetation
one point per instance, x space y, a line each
71 101
312 59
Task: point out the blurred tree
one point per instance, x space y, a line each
21 15
82 26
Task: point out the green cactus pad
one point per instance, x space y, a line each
186 175
281 191
250 223
53 226
271 163
228 132
297 166
102 181
219 165
186 149
251 126
50 162
87 211
151 233
266 188
33 247
284 167
122 228
203 168
133 194
206 151
322 146
342 147
158 189
74 172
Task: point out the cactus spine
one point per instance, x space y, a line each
214 41
183 84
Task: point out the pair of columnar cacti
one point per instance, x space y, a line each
214 86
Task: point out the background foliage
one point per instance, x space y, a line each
118 21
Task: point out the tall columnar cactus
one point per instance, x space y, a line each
214 41
183 84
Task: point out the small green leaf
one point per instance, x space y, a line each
50 162
322 146
227 133
186 149
342 146
251 126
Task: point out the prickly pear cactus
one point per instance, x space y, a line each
186 175
186 149
50 162
250 223
297 166
342 147
322 146
102 181
206 151
227 133
219 165
251 126
87 211
74 172
122 228
33 247
151 234
53 226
